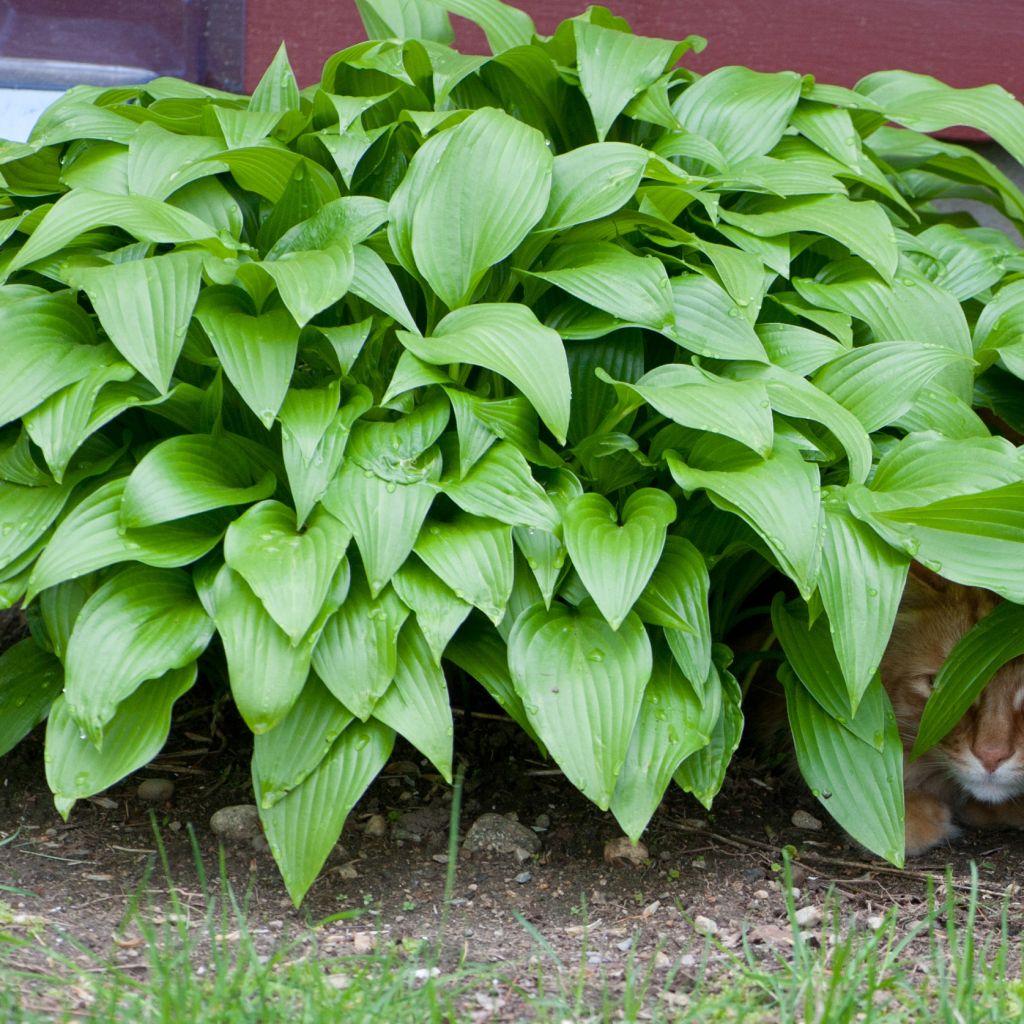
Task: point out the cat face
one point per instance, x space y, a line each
983 756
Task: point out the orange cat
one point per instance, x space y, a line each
976 774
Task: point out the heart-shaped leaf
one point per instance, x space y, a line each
616 561
439 613
581 683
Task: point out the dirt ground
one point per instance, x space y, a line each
80 877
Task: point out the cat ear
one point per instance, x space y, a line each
924 587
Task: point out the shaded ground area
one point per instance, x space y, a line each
702 872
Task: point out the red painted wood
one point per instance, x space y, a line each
839 41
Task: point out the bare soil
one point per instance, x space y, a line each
81 877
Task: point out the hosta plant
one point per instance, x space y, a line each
547 367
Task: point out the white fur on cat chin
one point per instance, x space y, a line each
1001 785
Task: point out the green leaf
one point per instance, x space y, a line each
416 703
26 515
859 785
133 736
997 639
616 66
491 176
703 772
778 497
141 623
862 227
809 649
501 486
926 105
395 19
591 182
289 570
372 281
676 597
82 209
311 281
692 397
974 539
30 680
673 724
508 339
357 653
582 685
860 584
257 351
743 112
47 343
303 826
909 307
710 323
277 89
91 537
385 517
145 307
633 288
505 26
288 754
474 557
188 474
879 382
616 561
265 670
439 613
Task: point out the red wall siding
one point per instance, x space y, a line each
964 43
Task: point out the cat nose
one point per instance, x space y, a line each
992 756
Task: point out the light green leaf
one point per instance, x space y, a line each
862 227
26 515
703 772
582 684
508 339
141 623
356 655
490 177
591 182
501 486
81 210
742 112
797 349
397 19
879 382
997 639
133 736
616 561
926 105
474 557
265 670
304 825
385 517
256 351
60 606
289 570
505 26
778 497
288 754
416 704
188 474
439 613
277 89
145 307
710 323
676 597
673 724
91 537
692 397
372 281
633 288
860 584
311 281
859 785
616 66
30 680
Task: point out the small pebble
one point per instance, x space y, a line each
625 945
542 821
808 917
760 894
236 822
376 825
523 877
808 822
155 791
705 925
876 921
753 874
364 942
